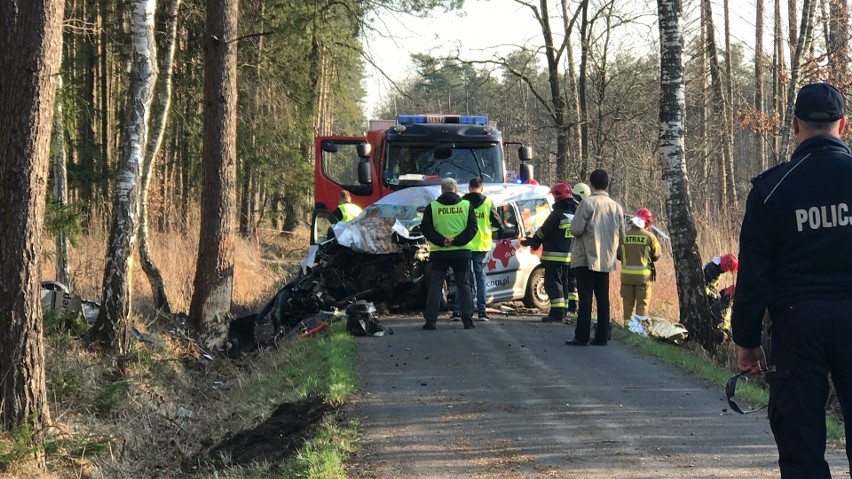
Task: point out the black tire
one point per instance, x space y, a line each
536 296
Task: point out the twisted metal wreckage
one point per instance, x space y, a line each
371 258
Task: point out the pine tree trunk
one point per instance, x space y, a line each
760 144
722 111
559 110
791 22
704 180
694 309
838 42
111 330
30 49
581 89
103 84
729 103
211 298
777 78
87 147
159 119
803 44
60 188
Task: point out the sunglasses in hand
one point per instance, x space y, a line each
731 388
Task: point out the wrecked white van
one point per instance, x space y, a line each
381 255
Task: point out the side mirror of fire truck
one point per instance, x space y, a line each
365 175
527 170
364 150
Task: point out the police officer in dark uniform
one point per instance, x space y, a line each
449 223
796 261
555 234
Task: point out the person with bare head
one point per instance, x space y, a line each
795 262
480 246
346 210
598 228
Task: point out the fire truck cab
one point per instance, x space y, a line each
415 150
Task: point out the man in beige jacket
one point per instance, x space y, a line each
598 228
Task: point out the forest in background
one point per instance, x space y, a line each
587 104
577 99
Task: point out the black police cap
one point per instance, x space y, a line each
820 103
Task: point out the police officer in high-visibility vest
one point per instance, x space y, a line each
555 235
638 251
346 211
480 246
795 261
449 223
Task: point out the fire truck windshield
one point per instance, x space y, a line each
413 164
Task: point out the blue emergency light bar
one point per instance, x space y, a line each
458 119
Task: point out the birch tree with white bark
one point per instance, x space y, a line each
694 308
112 328
60 189
159 119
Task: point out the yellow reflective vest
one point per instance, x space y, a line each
482 241
350 211
449 221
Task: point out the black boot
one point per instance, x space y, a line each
554 316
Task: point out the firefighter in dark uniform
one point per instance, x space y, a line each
714 269
796 261
449 223
555 234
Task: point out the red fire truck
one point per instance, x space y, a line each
415 150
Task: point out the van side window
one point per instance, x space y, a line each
533 213
510 221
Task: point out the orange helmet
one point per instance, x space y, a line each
729 263
645 214
560 191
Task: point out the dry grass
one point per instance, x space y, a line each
141 404
137 407
716 236
256 276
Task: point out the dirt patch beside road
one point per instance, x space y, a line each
509 399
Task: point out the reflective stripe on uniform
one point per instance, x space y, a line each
557 303
565 224
627 269
556 256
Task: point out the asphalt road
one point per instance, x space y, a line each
509 399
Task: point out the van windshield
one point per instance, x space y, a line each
414 165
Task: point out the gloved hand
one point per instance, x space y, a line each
527 242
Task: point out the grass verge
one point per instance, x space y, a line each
751 393
321 365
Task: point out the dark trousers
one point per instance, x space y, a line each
557 284
592 283
461 273
809 340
